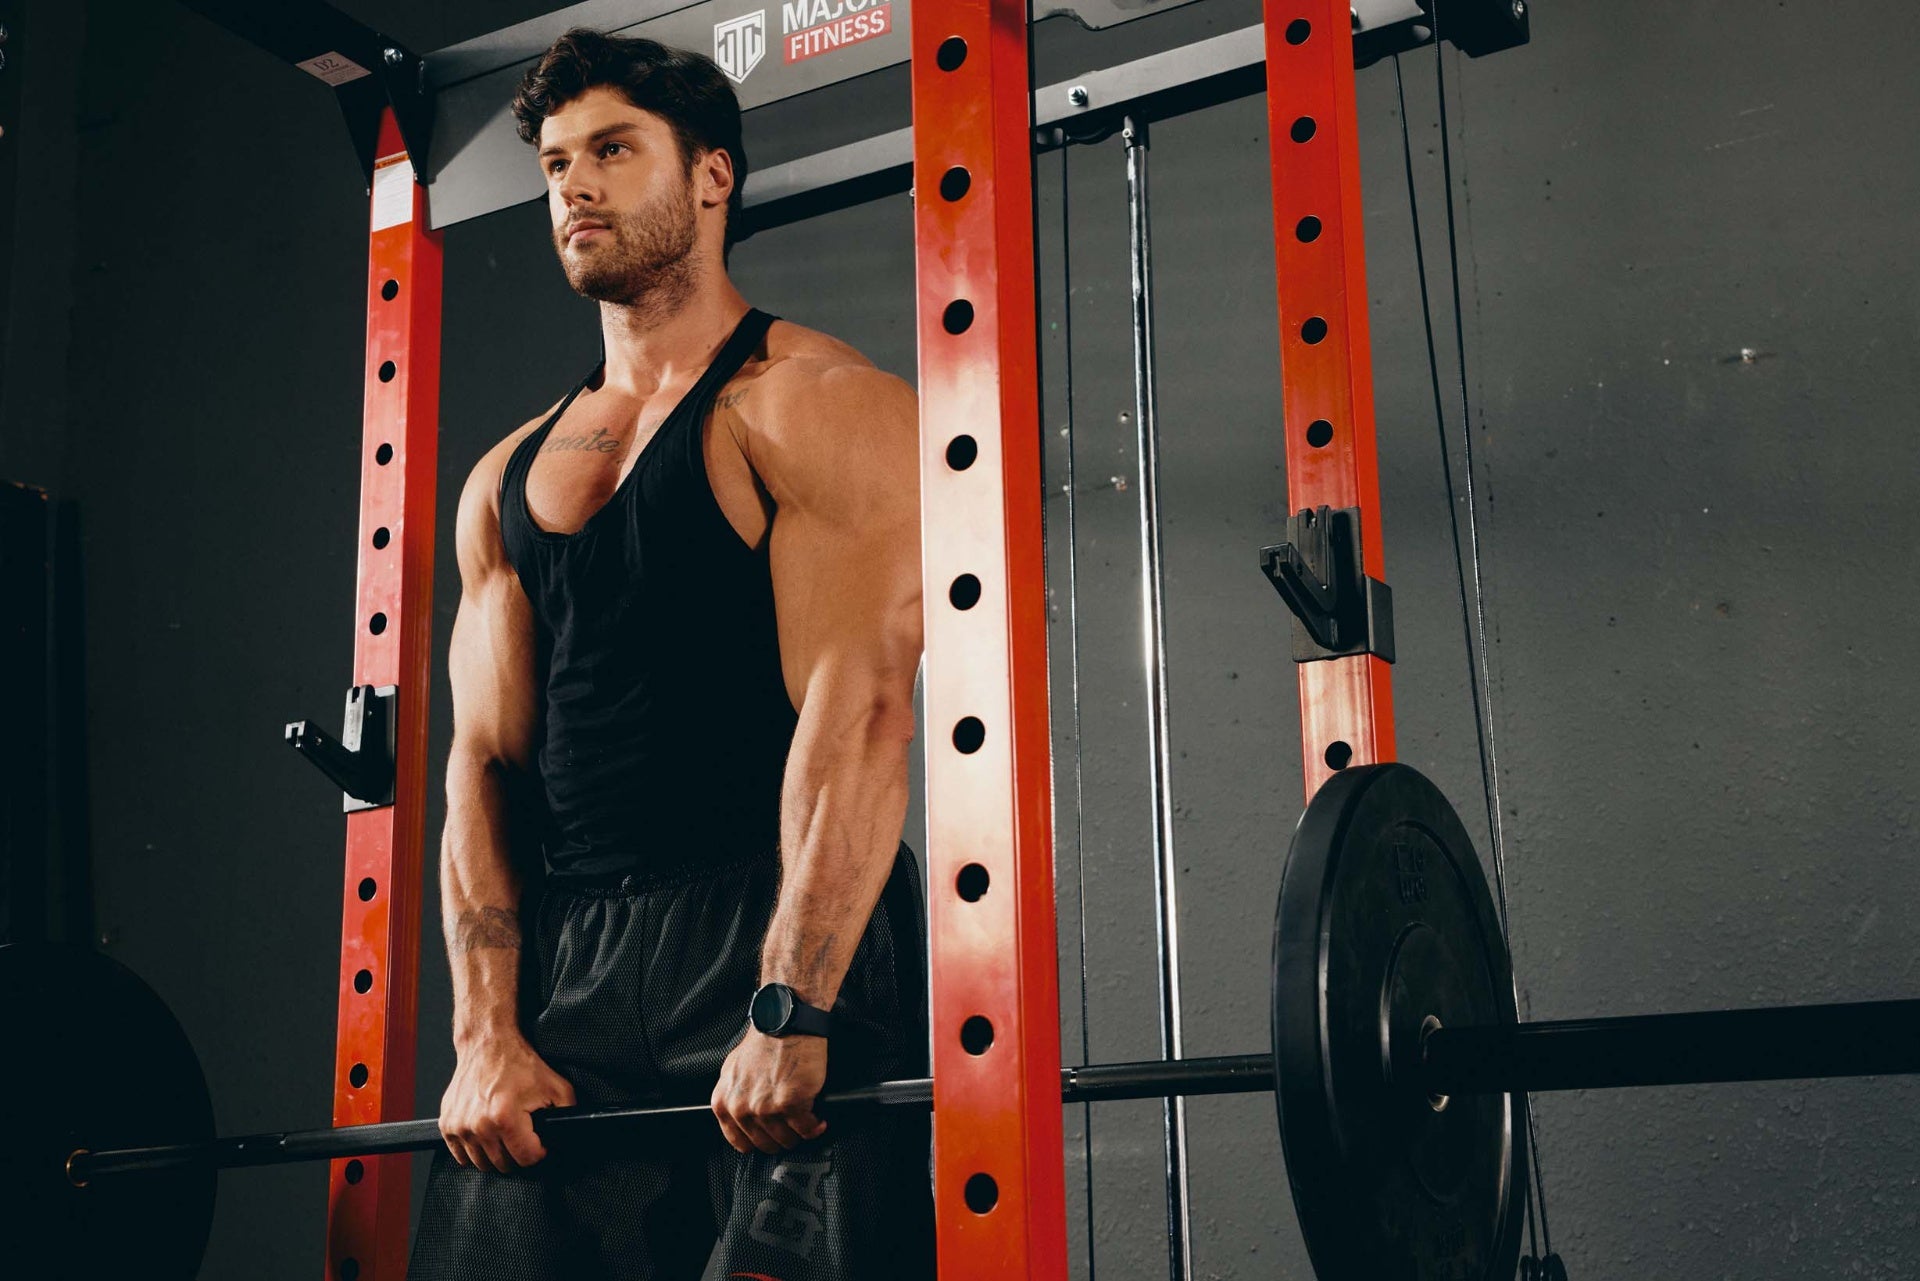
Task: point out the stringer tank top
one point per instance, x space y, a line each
665 720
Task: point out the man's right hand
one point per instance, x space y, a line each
486 1114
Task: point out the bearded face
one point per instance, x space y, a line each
625 255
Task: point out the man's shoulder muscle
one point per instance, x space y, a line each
789 342
824 378
477 528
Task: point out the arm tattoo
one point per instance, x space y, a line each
813 969
480 927
732 398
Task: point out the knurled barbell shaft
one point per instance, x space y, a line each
1784 1043
1154 1078
1778 1044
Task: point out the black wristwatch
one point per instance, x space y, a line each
776 1011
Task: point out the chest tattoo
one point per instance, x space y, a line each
598 443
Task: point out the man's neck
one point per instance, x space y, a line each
649 348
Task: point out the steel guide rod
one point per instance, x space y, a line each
1154 655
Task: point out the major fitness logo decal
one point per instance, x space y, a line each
739 45
810 28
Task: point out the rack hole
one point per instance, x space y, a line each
387 370
355 1172
349 1270
1319 433
381 537
954 183
961 452
1298 30
982 1193
969 734
1307 230
972 882
357 1076
958 317
965 592
390 290
377 624
1339 754
1314 330
363 982
1303 129
953 52
976 1035
368 889
383 455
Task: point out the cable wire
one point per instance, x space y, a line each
1470 606
1473 614
1473 539
1073 631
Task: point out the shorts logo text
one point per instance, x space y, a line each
786 1226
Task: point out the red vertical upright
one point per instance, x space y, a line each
380 930
999 1183
1326 363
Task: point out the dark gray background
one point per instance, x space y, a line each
1698 569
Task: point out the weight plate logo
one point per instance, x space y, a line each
739 44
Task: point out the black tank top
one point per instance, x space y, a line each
666 721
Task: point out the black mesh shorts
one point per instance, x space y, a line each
640 992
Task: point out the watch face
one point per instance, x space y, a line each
772 1007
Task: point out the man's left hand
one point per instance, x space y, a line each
767 1087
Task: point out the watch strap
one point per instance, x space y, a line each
808 1020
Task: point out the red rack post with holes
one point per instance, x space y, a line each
1326 363
368 1199
999 1185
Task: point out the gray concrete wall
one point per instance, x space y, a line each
1697 572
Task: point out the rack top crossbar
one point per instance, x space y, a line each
452 104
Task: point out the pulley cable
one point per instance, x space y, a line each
1073 632
1473 604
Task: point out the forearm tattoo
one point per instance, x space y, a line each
480 927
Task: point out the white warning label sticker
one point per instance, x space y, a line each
392 193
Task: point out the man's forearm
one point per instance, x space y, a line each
480 904
842 806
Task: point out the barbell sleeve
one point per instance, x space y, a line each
1783 1043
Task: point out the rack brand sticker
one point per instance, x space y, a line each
333 68
738 45
392 193
774 49
810 28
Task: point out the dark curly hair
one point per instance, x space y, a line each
685 89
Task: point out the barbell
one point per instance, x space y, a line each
1399 1070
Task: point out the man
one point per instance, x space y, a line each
690 611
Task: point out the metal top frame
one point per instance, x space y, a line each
450 104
